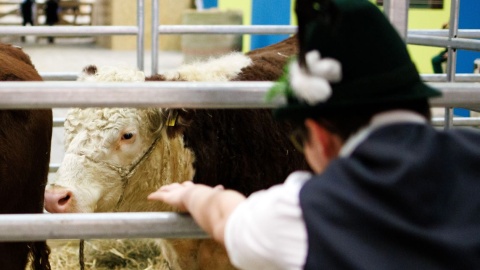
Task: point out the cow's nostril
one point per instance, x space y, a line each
64 200
58 200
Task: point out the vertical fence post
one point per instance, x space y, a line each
140 34
397 12
155 24
452 56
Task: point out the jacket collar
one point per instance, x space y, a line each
380 120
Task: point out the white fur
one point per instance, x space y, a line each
220 69
113 74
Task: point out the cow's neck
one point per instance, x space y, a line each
169 162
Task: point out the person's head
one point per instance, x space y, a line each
352 65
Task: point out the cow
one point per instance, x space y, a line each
115 157
25 141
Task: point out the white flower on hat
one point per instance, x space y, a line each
315 86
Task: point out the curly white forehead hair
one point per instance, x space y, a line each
93 73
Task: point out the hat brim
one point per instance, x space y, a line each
299 111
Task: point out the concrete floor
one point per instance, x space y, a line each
73 54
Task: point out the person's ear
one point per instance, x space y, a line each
319 136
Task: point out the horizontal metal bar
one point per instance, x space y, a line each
462 33
21 95
53 167
457 121
458 43
459 77
227 29
456 94
35 227
58 121
59 76
194 29
125 94
68 30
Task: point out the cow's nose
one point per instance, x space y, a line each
58 200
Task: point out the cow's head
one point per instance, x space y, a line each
103 144
104 147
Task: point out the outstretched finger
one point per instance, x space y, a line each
157 195
219 187
170 187
187 183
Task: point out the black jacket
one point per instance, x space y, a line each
407 198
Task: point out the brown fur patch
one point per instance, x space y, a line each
245 150
268 62
25 140
16 65
242 149
161 78
90 70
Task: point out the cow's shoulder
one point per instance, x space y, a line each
268 62
16 65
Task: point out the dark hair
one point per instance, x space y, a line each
347 122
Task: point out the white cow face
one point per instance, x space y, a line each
102 148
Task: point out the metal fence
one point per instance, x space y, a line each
460 90
138 30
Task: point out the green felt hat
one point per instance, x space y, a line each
350 47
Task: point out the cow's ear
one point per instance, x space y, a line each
177 120
173 121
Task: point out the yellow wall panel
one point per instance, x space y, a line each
426 19
245 6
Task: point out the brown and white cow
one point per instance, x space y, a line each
115 157
25 140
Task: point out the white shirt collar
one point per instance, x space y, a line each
379 120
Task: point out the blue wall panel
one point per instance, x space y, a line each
468 19
210 3
268 12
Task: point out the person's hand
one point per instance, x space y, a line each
175 194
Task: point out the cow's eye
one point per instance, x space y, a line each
127 136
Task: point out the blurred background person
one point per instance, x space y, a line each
439 59
51 14
26 8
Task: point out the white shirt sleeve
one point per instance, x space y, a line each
267 231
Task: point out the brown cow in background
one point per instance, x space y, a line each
25 139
